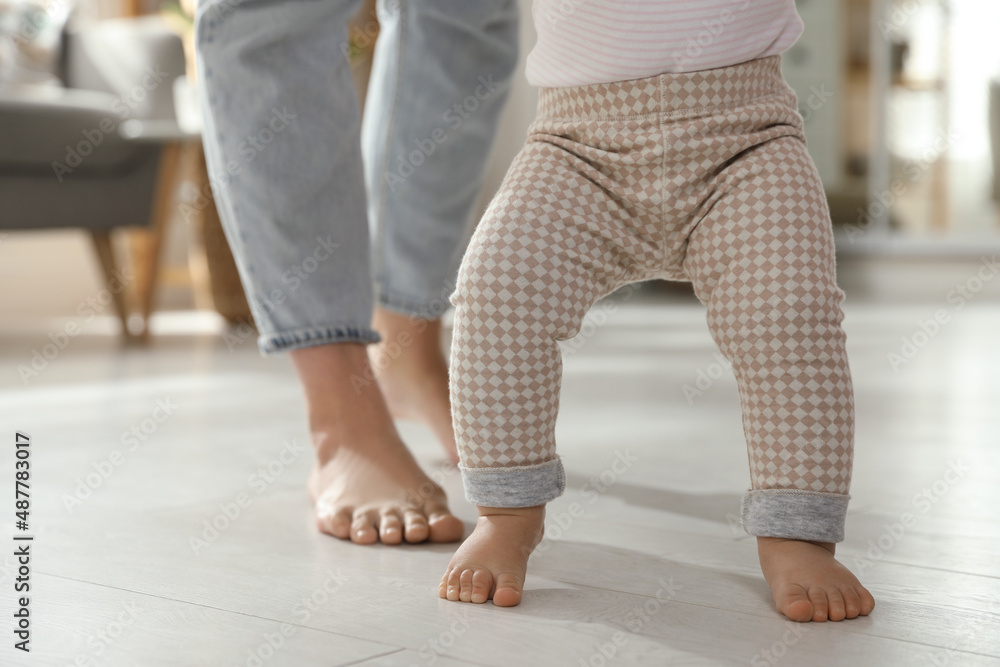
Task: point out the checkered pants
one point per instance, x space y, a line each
702 177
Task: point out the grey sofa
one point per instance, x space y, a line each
66 159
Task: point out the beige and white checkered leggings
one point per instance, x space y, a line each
702 177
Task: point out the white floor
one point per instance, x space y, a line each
651 570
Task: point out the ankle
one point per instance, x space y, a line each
400 332
368 428
529 514
334 376
326 441
523 527
769 543
339 386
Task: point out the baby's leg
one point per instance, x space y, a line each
551 244
763 262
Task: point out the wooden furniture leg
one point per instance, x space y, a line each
196 172
112 275
225 289
148 262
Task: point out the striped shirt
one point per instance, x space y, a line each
599 41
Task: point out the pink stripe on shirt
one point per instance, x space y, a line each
598 41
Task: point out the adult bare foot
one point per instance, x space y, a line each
492 562
366 485
412 371
808 583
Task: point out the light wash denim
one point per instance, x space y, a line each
289 156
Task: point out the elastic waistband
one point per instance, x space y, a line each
680 94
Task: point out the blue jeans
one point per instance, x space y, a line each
326 213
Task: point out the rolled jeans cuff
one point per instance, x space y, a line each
431 309
793 514
516 486
282 341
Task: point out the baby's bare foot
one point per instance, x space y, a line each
492 562
808 583
412 372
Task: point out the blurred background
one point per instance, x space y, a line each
121 303
102 173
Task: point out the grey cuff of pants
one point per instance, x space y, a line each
794 514
516 486
299 338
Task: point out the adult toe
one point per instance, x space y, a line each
334 521
390 526
363 528
444 526
415 527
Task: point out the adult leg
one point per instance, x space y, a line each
440 78
282 142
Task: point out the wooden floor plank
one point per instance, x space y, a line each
127 535
78 623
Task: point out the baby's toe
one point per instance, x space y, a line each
852 603
482 584
455 583
820 604
835 604
465 582
794 603
867 600
443 585
508 591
